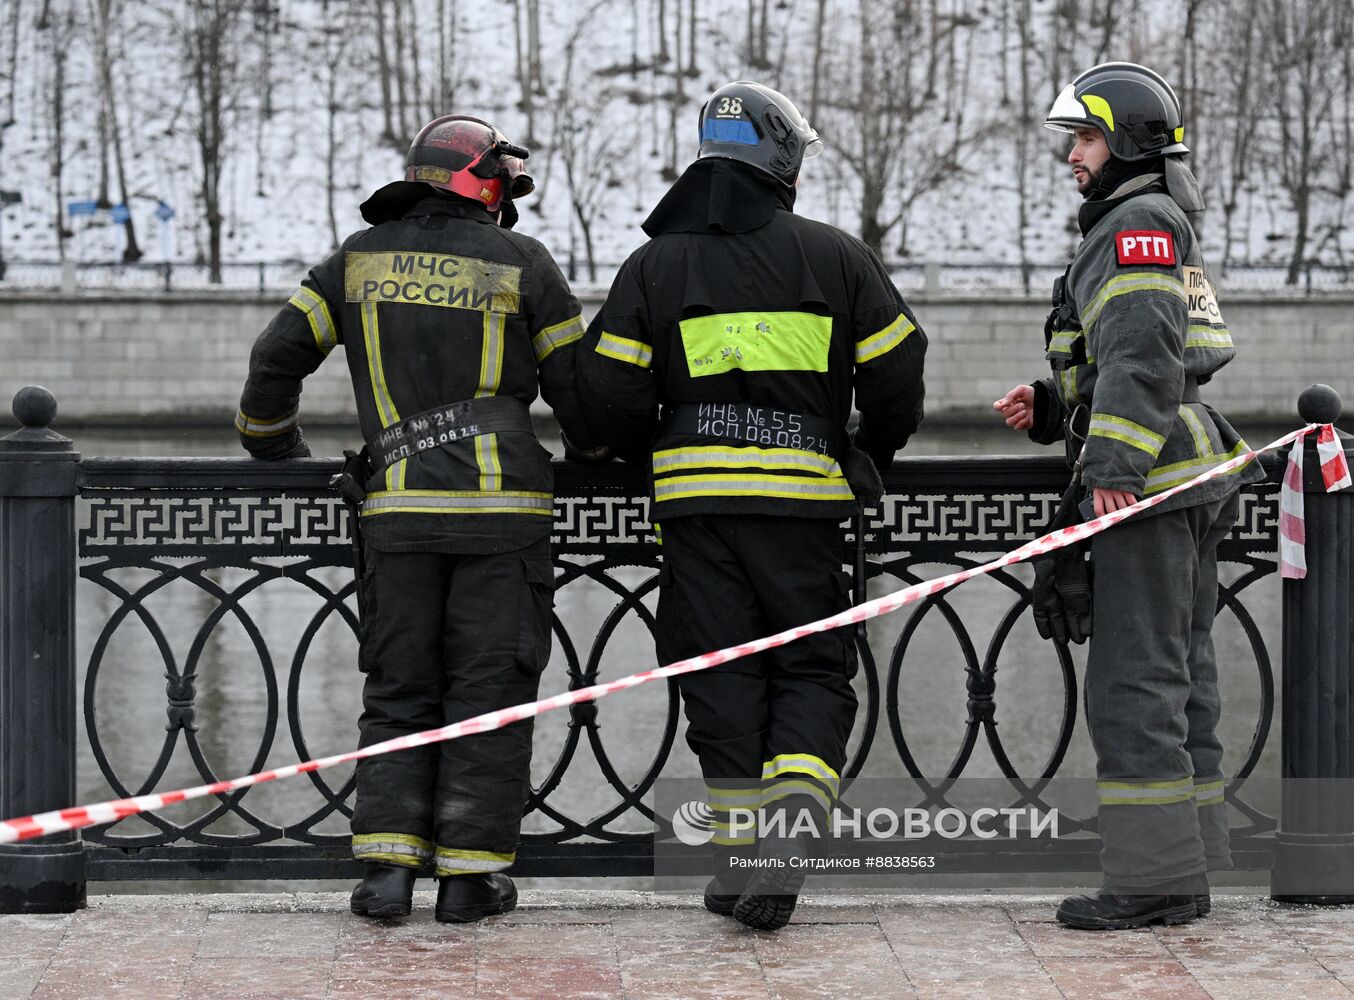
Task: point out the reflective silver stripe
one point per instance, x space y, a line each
788 487
621 349
1063 341
251 427
724 799
1107 425
1208 337
389 848
1148 793
675 459
445 501
371 332
491 355
885 340
455 862
1123 284
317 313
1166 476
1196 429
801 764
784 789
1210 793
557 336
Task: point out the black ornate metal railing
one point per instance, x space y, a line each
234 530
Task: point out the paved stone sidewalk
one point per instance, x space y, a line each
564 945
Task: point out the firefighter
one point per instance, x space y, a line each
749 326
1134 333
451 323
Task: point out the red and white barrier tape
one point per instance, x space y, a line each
58 821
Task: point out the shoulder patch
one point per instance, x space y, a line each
1144 246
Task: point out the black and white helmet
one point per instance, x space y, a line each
759 126
1135 109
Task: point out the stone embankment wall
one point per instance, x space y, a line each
181 359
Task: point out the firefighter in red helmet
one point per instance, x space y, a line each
451 324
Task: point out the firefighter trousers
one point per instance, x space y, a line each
770 727
1152 702
447 637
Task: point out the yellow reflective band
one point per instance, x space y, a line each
1067 380
885 340
491 355
1125 284
751 485
785 789
621 349
1063 341
756 342
707 456
395 475
1165 476
724 799
1196 429
392 848
1099 107
453 861
371 334
554 337
801 763
1107 425
457 502
316 311
1144 793
432 279
1210 793
1180 134
1214 337
256 428
486 457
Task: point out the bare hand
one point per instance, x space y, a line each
1017 407
1110 500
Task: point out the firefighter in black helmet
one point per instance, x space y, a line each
1134 334
451 323
749 327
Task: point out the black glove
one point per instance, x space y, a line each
598 455
1061 596
881 457
290 447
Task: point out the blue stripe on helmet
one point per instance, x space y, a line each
737 130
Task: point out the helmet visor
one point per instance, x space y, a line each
1067 112
813 145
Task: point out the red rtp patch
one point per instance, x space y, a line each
1145 246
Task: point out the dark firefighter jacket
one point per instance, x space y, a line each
1135 330
738 300
439 306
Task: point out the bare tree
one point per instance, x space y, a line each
585 143
104 15
907 137
214 46
57 25
1301 42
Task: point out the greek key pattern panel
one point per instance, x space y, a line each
280 524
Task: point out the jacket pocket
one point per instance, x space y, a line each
536 616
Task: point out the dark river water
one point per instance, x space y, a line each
235 685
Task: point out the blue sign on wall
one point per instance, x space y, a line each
81 207
119 213
163 212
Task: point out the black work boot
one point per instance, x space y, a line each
731 877
385 891
1107 911
773 889
465 898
